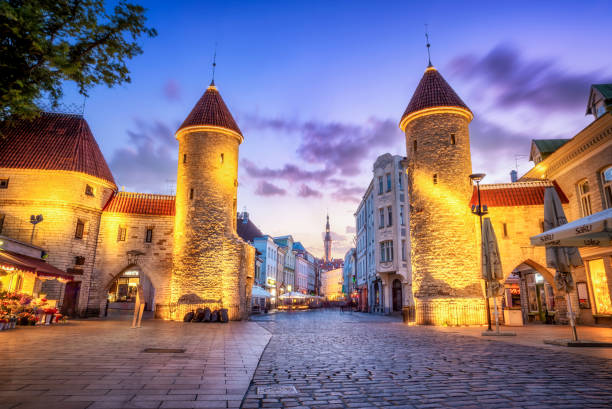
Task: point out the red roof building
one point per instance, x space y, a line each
53 141
210 110
515 194
141 203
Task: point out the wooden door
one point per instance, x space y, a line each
70 306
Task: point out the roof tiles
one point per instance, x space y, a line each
515 194
53 141
211 110
433 91
141 203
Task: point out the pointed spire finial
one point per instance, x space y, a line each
214 65
428 45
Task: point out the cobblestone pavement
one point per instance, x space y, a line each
101 364
356 360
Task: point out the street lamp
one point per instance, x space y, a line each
480 210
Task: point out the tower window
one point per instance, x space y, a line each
149 235
222 158
1 222
453 140
414 146
80 229
4 183
89 190
505 227
435 179
191 194
184 158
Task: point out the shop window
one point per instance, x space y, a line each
89 190
390 218
4 183
80 229
453 140
121 233
18 283
599 281
583 295
584 194
606 184
149 235
388 182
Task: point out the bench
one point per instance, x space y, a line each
597 317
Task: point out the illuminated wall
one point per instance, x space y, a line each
444 249
60 197
211 265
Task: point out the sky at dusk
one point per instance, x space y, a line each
318 89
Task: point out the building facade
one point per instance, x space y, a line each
183 249
348 273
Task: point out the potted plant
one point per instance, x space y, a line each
49 313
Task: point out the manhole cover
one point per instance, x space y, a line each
164 350
277 390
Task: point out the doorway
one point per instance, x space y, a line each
397 295
70 306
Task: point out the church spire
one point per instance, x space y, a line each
327 242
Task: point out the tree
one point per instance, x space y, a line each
44 43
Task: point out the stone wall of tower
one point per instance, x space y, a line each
444 248
208 257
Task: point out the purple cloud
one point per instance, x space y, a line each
517 81
348 194
305 191
149 159
172 90
338 147
268 189
350 229
289 172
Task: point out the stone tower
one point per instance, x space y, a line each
212 266
444 252
327 242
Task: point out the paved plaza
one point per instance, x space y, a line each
101 364
332 359
355 360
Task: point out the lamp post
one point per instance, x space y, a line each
480 211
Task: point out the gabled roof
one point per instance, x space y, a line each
210 110
247 230
141 203
53 141
433 92
547 146
604 91
515 194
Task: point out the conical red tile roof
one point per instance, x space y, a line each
211 110
53 141
433 91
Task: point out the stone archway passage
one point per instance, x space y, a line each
122 290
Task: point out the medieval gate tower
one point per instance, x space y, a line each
444 251
212 266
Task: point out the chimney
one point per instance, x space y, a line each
513 176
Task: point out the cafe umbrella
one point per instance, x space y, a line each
562 259
491 266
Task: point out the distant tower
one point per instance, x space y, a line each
327 242
444 252
210 263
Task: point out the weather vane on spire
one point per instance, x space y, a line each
214 65
428 45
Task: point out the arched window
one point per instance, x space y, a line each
584 194
606 184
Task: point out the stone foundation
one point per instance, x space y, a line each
451 311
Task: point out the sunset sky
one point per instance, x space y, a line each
318 88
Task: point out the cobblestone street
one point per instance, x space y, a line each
337 360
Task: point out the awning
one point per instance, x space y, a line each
593 230
293 294
260 292
41 268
